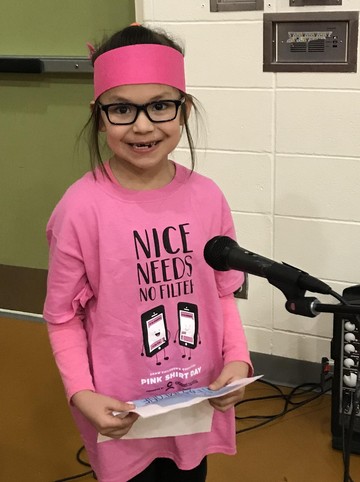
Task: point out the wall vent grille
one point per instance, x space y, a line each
235 5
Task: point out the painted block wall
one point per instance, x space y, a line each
285 149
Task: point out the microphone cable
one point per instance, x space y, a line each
340 298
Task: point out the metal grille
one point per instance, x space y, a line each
235 5
316 46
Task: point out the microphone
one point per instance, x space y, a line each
223 253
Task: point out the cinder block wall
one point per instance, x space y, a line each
286 152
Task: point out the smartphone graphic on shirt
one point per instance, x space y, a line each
155 334
188 324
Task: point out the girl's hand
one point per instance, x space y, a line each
231 372
98 410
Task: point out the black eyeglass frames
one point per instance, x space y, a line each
126 113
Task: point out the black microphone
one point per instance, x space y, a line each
223 253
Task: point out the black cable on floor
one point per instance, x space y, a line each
73 477
79 459
82 462
288 402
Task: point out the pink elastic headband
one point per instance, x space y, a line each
139 64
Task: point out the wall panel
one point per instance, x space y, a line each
41 117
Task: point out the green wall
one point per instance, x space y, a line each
42 115
59 27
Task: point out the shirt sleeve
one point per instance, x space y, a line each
235 346
69 345
68 291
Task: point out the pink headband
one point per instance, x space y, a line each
139 64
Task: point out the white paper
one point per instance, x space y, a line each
184 421
180 413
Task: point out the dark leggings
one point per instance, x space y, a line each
165 470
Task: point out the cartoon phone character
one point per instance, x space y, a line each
188 325
155 334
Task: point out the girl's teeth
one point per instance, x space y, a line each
144 146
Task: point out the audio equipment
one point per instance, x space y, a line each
345 351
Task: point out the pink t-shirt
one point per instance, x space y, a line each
134 310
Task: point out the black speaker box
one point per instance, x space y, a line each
345 351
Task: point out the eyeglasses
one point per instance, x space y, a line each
126 113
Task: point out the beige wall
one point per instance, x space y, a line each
287 157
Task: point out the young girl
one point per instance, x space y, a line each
132 308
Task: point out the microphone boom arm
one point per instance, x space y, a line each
311 307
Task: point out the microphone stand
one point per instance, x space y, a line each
347 309
298 303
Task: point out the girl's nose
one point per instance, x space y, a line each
143 123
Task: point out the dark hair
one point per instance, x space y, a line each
132 35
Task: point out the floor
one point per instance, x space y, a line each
39 441
295 448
